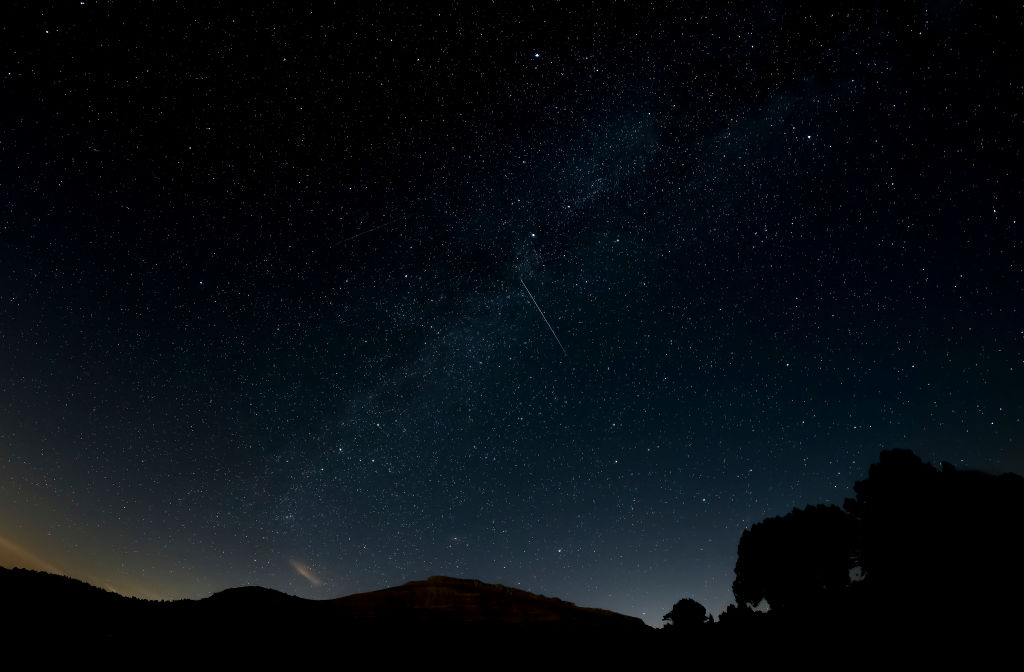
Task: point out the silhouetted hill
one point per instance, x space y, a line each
253 594
442 599
463 615
24 585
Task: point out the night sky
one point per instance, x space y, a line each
330 299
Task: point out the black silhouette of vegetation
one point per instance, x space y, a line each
942 545
919 555
797 562
688 617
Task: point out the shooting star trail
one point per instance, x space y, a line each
530 294
363 233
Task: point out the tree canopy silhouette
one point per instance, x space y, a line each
939 539
688 614
936 547
796 561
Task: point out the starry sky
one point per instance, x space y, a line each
327 298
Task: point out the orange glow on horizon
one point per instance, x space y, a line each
15 555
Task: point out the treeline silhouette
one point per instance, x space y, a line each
922 556
923 561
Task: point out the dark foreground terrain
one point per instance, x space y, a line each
922 567
456 619
457 623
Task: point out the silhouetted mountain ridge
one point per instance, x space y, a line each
434 607
443 598
254 595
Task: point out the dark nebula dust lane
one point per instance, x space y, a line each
270 281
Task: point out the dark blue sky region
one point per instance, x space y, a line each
266 277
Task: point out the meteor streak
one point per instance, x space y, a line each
530 294
363 233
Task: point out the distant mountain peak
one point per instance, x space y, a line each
253 593
449 599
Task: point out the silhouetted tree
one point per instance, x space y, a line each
796 562
738 616
688 614
940 552
939 542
